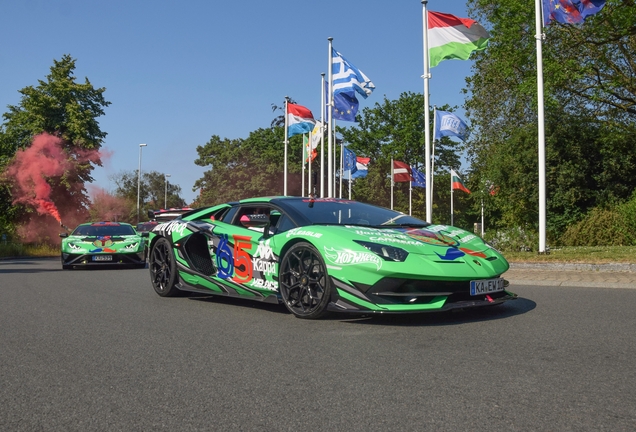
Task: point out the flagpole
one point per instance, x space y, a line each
286 143
310 151
350 184
330 138
451 179
302 181
433 155
311 154
410 196
341 166
335 151
427 141
392 183
322 137
541 121
482 218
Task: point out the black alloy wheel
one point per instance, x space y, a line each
163 269
304 282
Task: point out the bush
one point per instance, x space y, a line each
11 250
514 239
604 227
28 250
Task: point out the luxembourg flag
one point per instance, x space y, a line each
299 120
451 37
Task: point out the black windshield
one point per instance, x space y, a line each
104 230
343 212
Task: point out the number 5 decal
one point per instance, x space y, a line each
242 260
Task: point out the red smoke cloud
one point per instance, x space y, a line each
30 170
36 172
108 207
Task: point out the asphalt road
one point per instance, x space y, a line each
99 350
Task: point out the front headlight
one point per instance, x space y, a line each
389 253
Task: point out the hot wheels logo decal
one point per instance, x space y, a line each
347 257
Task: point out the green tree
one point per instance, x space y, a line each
589 112
59 106
152 192
243 168
395 129
66 109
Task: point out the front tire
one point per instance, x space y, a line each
304 283
163 269
65 266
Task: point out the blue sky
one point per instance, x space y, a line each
178 72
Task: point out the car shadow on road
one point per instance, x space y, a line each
461 316
236 302
23 265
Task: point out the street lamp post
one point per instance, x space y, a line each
139 180
165 196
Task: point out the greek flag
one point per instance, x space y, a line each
347 77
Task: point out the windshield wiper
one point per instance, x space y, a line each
390 221
413 224
341 224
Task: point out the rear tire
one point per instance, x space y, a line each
163 269
304 283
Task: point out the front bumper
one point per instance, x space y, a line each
117 259
411 296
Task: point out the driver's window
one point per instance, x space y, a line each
284 224
229 215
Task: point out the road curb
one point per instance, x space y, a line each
568 284
609 267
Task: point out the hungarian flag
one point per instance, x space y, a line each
451 37
401 172
457 183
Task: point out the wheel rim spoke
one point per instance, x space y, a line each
160 267
302 281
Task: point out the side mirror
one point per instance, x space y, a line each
63 235
255 220
144 234
259 221
151 214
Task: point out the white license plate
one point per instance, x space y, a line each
102 257
486 286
